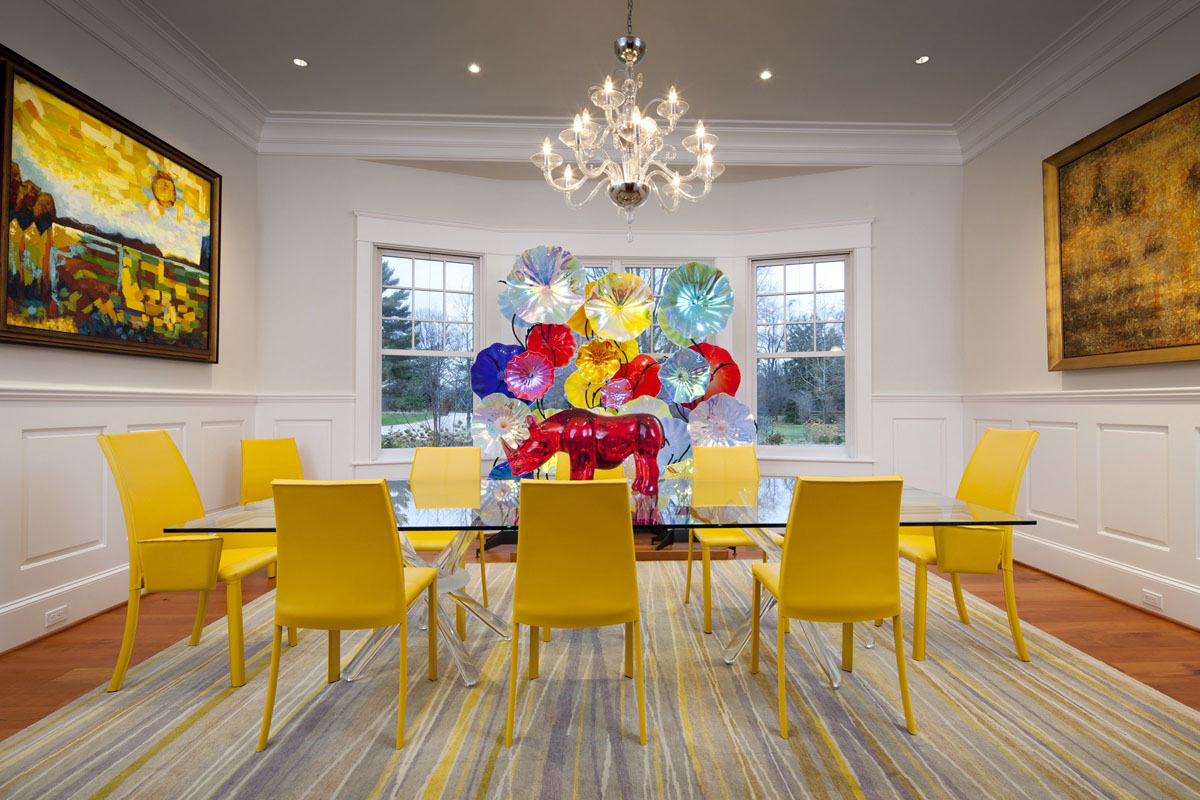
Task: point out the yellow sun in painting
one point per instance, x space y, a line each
163 187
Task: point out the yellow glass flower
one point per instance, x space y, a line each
629 349
582 394
579 321
598 360
621 306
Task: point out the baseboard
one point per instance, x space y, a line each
23 620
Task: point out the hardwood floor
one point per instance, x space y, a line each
40 677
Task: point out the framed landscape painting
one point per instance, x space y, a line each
1122 220
111 236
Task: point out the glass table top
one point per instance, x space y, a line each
492 506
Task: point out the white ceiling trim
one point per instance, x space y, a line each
1099 40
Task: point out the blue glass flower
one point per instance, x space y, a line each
501 472
487 373
696 301
685 374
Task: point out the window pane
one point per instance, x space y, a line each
802 401
831 306
429 336
770 309
427 305
662 344
831 275
800 308
595 273
770 279
397 334
831 335
459 307
799 338
459 276
427 274
458 338
426 402
799 277
771 339
397 303
397 271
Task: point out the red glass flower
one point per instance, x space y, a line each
555 342
642 374
725 377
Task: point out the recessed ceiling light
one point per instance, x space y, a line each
922 59
299 62
473 68
765 74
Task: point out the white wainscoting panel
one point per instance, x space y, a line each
920 438
60 463
1133 484
1054 472
221 462
323 427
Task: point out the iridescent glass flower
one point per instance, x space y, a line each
696 301
721 421
498 418
685 374
508 309
616 393
598 360
678 441
529 375
621 307
546 285
647 405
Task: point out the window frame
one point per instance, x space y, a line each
816 451
378 452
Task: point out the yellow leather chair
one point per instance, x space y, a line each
264 460
342 570
442 464
714 465
157 491
554 589
839 565
992 479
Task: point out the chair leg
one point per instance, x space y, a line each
293 636
403 684
959 600
335 656
546 634
641 683
431 626
198 625
628 649
483 569
903 674
848 647
272 680
687 586
706 557
514 657
1014 622
920 590
460 621
237 648
781 640
533 652
131 621
270 570
755 613
878 623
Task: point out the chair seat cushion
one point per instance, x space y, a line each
416 581
918 547
430 541
724 537
768 575
238 562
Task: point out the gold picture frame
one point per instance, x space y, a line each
1122 278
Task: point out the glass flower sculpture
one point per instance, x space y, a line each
555 342
678 442
529 375
598 360
498 418
616 393
579 321
685 375
487 373
724 375
721 421
508 309
621 307
669 331
647 405
546 285
697 300
582 393
642 374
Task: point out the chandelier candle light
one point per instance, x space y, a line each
629 157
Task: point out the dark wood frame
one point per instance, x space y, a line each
1167 101
12 64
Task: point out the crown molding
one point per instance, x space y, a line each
1095 43
480 138
144 38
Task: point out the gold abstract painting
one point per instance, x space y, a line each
1123 239
109 234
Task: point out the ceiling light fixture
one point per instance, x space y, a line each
922 59
629 157
765 74
299 62
473 68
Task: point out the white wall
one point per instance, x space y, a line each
1113 479
62 538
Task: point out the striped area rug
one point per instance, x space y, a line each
1063 726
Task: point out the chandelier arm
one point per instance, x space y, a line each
571 203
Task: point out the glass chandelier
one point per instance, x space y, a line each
629 156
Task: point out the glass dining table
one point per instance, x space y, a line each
467 507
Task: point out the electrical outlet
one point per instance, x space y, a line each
56 616
1152 599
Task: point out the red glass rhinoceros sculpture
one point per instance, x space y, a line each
593 441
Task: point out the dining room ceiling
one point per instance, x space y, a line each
831 60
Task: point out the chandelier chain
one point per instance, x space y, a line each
629 19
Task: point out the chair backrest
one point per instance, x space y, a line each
724 463
264 460
841 550
993 475
446 463
558 521
562 470
154 484
339 553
